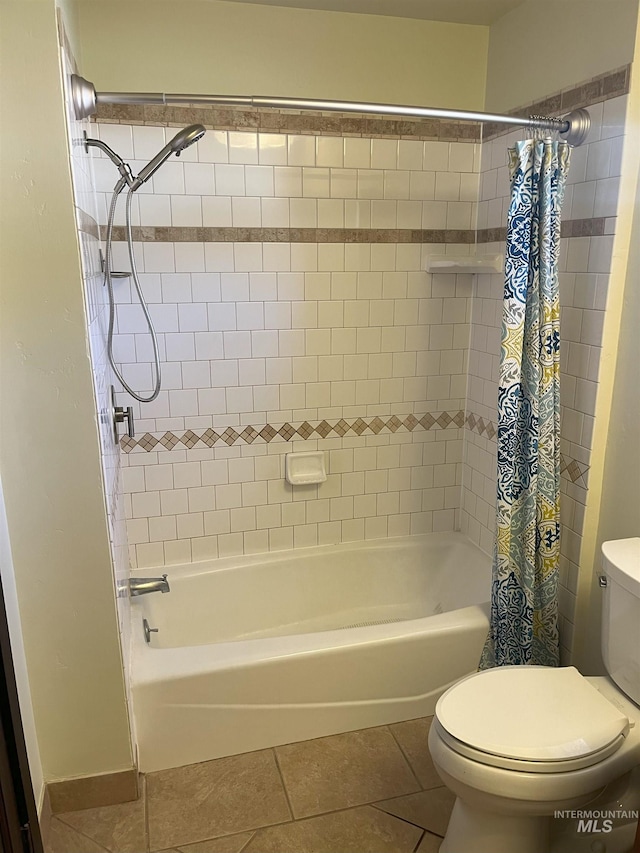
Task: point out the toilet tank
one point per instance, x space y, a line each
621 614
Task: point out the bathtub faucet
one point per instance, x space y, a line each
141 586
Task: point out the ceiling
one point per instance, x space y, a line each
454 11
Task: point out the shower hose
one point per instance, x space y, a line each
109 282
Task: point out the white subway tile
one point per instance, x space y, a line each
177 552
180 346
216 211
357 153
329 151
155 209
229 180
230 544
169 179
193 317
196 374
247 257
243 518
259 180
370 184
243 147
275 213
272 149
211 401
301 150
288 181
147 141
344 183
213 147
199 180
190 525
246 212
384 154
303 213
189 257
436 156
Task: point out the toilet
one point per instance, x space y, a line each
517 743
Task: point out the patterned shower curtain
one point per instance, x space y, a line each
524 607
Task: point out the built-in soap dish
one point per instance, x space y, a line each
303 469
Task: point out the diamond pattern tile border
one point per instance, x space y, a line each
286 432
569 468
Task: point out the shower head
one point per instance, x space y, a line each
183 139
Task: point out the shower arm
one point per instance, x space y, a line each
125 170
573 127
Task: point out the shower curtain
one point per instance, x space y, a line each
524 609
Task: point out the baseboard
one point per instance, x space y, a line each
87 792
44 817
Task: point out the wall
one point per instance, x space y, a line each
97 314
49 450
19 659
238 48
546 46
280 333
620 501
612 509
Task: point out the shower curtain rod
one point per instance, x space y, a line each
573 127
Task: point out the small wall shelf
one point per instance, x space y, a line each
464 263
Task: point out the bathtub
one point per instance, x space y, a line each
257 651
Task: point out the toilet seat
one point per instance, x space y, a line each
529 718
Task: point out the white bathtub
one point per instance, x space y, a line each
257 651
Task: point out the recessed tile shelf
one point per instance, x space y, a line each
464 263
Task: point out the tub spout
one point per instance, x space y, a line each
141 586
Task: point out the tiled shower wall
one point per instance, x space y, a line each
588 216
285 276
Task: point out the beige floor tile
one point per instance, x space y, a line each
344 770
361 830
230 844
428 809
215 798
413 739
120 828
429 844
64 839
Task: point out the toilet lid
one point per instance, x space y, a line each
530 713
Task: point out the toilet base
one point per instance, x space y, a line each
472 830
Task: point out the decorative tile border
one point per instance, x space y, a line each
574 470
87 224
571 468
287 431
594 227
291 121
609 85
169 234
173 234
480 425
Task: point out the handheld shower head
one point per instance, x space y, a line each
183 139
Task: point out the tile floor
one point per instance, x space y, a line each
368 791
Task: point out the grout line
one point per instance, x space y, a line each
79 832
146 811
284 786
406 819
406 758
419 841
253 835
